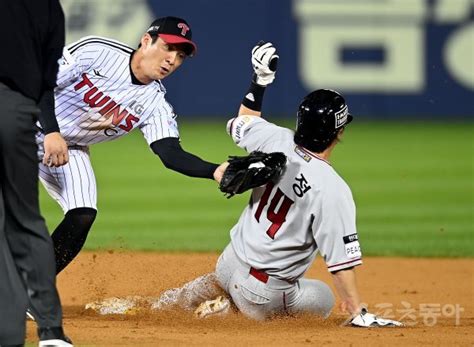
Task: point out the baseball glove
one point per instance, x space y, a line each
253 170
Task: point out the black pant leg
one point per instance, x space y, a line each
25 230
13 297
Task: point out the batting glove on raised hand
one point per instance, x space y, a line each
368 320
264 62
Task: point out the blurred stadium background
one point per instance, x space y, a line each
406 68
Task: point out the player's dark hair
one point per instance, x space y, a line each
154 38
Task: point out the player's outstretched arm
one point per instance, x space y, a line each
345 283
264 63
346 287
175 158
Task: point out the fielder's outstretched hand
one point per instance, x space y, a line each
368 320
264 62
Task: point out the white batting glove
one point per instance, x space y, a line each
264 62
368 320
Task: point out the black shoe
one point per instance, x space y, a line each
53 337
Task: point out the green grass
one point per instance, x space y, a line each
412 183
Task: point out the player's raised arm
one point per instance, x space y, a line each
264 62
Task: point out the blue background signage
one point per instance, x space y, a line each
393 58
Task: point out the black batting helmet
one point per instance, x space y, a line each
320 116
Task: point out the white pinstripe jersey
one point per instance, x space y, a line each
96 100
309 209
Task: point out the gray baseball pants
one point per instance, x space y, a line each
259 300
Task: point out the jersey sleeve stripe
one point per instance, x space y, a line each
344 265
97 38
231 126
112 44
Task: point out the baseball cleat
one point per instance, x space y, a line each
114 305
218 306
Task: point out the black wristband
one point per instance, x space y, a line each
254 97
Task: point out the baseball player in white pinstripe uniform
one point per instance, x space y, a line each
105 89
308 210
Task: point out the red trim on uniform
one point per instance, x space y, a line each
313 155
347 262
259 275
284 303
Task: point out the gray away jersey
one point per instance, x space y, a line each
96 100
309 209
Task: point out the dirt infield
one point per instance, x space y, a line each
433 296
